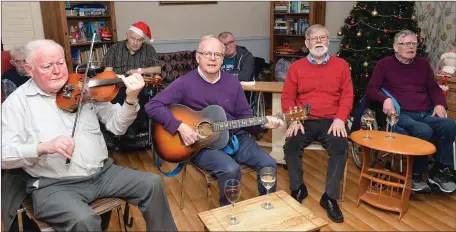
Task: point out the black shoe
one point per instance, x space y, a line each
300 194
443 180
419 185
332 209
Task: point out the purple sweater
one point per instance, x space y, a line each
412 85
192 91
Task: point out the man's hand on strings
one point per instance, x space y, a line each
134 84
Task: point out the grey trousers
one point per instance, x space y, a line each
337 148
64 203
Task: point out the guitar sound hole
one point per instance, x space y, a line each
204 129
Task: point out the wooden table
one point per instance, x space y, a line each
278 135
287 215
395 189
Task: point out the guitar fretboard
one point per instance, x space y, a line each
228 125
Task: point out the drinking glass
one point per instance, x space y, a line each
368 118
268 179
232 193
391 119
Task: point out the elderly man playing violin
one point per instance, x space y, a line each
36 137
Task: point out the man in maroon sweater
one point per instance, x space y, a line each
324 82
410 80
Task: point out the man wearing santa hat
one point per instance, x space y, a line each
135 52
133 55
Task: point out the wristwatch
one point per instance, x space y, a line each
132 104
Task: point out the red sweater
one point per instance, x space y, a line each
327 88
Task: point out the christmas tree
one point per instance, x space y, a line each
368 36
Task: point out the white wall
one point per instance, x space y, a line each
336 12
21 23
179 27
180 22
176 27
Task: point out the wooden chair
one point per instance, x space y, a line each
209 177
99 206
317 146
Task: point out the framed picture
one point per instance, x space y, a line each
186 2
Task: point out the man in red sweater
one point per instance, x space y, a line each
410 80
324 82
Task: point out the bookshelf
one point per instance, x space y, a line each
62 22
288 22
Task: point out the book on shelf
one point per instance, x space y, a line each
291 26
292 7
81 56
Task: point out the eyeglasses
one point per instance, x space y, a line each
409 44
208 55
20 61
315 38
229 43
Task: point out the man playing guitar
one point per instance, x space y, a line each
208 85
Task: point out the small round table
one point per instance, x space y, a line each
395 189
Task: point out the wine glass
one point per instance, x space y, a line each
268 179
391 119
232 193
368 118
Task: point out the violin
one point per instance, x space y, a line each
103 87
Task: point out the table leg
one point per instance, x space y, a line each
408 186
363 182
278 135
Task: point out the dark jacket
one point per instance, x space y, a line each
15 80
244 64
13 76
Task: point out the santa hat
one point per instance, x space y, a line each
450 54
143 30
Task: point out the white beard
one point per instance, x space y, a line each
320 52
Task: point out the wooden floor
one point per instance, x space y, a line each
431 212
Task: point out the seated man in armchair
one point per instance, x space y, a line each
324 82
410 80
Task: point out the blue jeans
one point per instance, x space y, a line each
422 125
226 167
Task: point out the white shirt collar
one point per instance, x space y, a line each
33 89
204 78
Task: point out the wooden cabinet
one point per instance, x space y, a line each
451 98
288 22
58 22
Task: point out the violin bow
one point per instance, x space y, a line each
84 81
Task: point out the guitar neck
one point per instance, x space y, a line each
228 125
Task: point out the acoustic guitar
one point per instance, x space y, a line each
212 126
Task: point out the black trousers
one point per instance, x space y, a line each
141 117
337 148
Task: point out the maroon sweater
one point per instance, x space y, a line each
412 85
